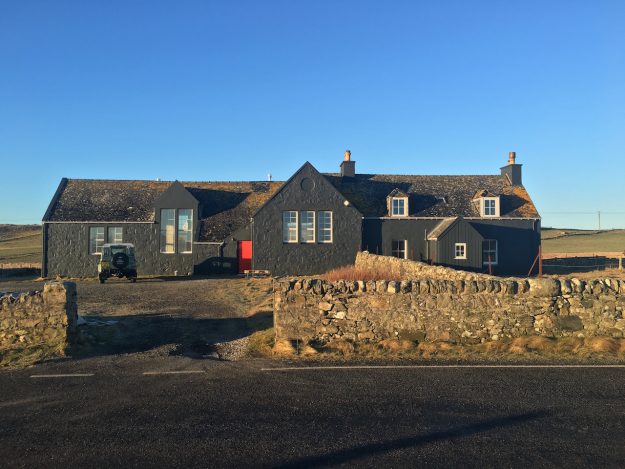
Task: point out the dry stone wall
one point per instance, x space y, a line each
406 268
38 318
459 311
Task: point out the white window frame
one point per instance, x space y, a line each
322 230
496 251
302 230
94 249
286 231
496 206
114 230
398 199
463 254
405 249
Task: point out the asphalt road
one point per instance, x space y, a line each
124 413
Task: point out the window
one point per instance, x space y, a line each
460 251
398 248
185 230
307 227
96 239
289 226
490 206
489 252
398 206
168 230
115 235
324 230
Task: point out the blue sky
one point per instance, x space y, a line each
234 90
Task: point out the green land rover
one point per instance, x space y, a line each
117 260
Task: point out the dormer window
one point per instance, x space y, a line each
490 206
397 203
399 207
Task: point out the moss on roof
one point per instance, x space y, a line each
433 196
224 206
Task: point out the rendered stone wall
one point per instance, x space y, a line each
41 318
459 311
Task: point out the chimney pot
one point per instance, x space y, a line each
348 167
512 170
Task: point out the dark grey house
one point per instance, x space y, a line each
307 225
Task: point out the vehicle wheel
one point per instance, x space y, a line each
102 279
133 279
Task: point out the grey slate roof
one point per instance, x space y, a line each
368 192
225 206
441 228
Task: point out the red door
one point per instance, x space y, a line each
245 256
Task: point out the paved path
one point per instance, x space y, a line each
125 411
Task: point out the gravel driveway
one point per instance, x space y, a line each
186 316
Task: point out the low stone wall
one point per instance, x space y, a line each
405 268
459 311
39 318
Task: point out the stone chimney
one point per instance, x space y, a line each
348 167
512 170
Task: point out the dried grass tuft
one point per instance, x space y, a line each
261 343
307 351
539 343
602 344
397 345
341 346
354 273
283 348
569 345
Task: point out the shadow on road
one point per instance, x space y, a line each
111 335
363 451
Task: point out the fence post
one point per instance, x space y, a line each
620 263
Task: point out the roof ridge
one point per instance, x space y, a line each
171 181
421 175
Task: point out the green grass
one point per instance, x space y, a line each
20 243
588 241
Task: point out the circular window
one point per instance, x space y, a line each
307 184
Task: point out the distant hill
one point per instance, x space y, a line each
20 243
11 231
586 241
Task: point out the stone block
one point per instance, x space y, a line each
541 287
325 306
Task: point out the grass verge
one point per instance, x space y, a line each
22 357
520 348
